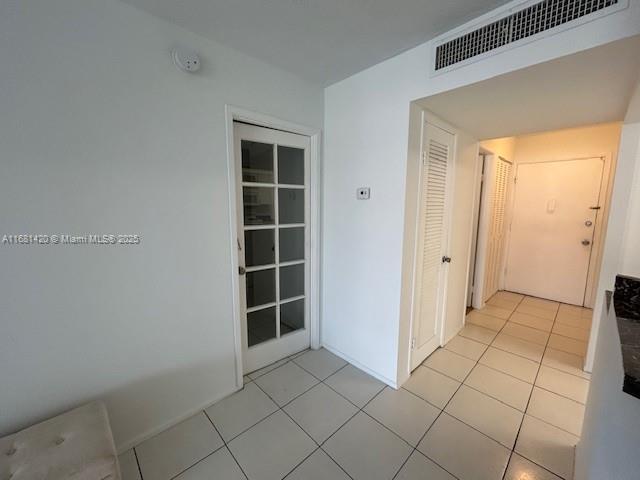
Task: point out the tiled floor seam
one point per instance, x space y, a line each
527 358
225 445
492 397
439 415
423 399
504 373
135 454
293 399
515 443
526 406
338 429
570 338
563 371
349 419
281 409
560 395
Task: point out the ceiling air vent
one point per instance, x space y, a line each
527 22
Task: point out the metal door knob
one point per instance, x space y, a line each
588 223
446 259
586 242
242 270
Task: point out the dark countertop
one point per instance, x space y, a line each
626 301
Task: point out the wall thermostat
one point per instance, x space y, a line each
186 60
363 193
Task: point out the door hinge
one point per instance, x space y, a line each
413 343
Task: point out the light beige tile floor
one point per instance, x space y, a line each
503 400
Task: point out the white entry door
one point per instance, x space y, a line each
433 242
555 211
272 175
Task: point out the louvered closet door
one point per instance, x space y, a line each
495 244
433 235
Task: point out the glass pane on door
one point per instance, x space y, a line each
291 205
259 247
258 206
291 281
290 165
261 325
261 287
257 162
291 244
291 316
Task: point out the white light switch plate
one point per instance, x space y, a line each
363 193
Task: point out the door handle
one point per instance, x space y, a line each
446 259
242 270
586 242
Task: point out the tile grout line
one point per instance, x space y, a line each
515 443
540 364
225 446
360 410
135 454
319 445
511 450
280 409
442 411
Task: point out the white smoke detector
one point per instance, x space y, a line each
186 60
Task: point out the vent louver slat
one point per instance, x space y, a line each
525 23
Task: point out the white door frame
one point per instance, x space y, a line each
234 113
478 203
428 117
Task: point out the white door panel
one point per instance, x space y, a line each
432 245
272 178
552 229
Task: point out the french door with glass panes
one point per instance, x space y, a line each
272 175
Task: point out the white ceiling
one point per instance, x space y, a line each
321 40
590 87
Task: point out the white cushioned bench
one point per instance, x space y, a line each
76 445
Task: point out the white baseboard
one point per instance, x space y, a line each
355 363
164 426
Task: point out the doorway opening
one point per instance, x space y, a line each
274 212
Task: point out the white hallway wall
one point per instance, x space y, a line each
620 253
610 437
100 133
631 253
366 143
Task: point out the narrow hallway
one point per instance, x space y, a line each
513 374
